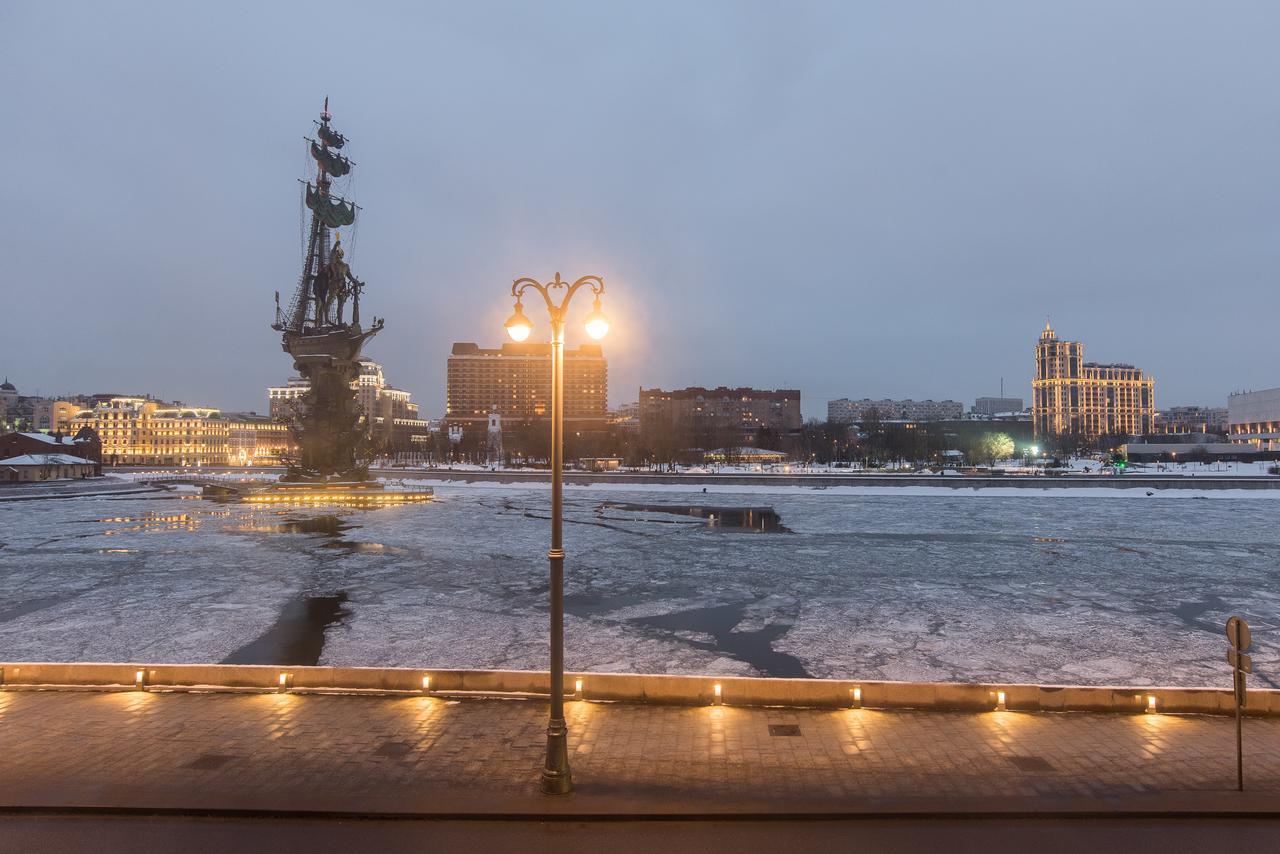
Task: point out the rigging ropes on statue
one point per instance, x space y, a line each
354 227
302 209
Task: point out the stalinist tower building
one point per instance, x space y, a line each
1072 396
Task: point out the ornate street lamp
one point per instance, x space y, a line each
556 779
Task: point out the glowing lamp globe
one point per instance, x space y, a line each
518 326
597 324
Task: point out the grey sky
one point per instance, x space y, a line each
856 199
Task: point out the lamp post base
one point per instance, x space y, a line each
556 778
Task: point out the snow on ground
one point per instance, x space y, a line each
1252 468
1103 492
900 585
1074 465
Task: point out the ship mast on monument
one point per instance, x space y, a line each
315 331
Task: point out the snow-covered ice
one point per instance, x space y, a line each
1088 587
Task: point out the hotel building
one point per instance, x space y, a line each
142 431
515 381
1072 396
390 416
281 400
389 411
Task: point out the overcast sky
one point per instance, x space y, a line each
855 199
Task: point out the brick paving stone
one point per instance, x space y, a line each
433 754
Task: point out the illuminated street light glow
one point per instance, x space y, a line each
597 324
518 325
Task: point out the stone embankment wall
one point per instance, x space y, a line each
637 688
815 481
827 481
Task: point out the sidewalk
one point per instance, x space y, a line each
429 755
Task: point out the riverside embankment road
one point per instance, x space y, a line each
445 756
285 772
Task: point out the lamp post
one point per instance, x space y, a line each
556 779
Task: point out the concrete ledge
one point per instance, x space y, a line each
818 481
826 481
636 688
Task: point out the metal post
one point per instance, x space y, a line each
1239 686
1239 741
556 778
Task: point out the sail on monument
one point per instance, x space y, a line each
316 332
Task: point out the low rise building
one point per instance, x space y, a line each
1147 451
1254 417
55 416
1192 419
30 468
411 436
600 463
708 418
17 411
846 411
84 445
626 418
988 406
744 455
8 398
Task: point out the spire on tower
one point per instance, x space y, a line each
1048 330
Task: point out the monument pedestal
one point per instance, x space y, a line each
365 493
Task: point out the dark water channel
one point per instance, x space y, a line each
718 621
297 637
325 526
763 520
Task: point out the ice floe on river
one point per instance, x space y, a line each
915 583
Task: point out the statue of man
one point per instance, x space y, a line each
329 283
340 277
320 292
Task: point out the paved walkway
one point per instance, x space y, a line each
441 756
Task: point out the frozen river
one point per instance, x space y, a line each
1085 589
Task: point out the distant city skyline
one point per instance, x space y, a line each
890 213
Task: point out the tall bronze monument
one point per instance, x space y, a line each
329 425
